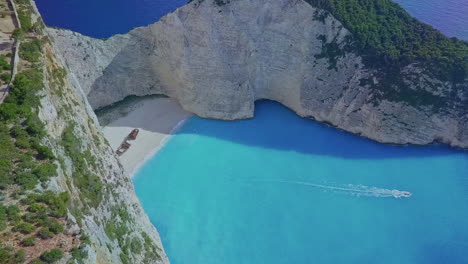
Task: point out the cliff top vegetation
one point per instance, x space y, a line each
389 36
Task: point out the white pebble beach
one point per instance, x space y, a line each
157 119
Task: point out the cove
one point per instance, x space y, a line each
282 189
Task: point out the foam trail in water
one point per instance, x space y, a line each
358 190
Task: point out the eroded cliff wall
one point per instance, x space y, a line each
104 220
104 210
217 58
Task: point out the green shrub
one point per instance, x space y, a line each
6 254
6 77
135 245
19 166
29 217
25 20
3 218
4 64
8 111
8 153
71 143
17 131
31 50
26 162
58 204
151 250
90 185
111 230
19 257
22 142
24 89
45 171
37 208
39 216
45 233
13 213
124 258
9 256
34 126
26 179
79 254
18 34
25 228
43 152
85 239
37 261
39 26
6 167
54 226
28 241
52 256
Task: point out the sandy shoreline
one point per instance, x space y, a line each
157 118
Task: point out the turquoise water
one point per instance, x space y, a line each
281 189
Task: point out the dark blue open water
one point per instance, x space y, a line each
104 18
284 190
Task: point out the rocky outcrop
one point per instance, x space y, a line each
216 59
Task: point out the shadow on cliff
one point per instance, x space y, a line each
276 127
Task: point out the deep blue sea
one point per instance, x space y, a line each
280 189
104 18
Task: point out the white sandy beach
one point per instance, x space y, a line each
157 119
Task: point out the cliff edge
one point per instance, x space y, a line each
64 196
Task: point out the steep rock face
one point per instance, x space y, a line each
64 107
118 207
104 207
217 59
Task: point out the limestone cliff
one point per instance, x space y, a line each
111 216
58 148
217 59
104 207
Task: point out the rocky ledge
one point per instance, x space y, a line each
217 58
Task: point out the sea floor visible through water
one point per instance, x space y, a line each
282 189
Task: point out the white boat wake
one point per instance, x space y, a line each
358 190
